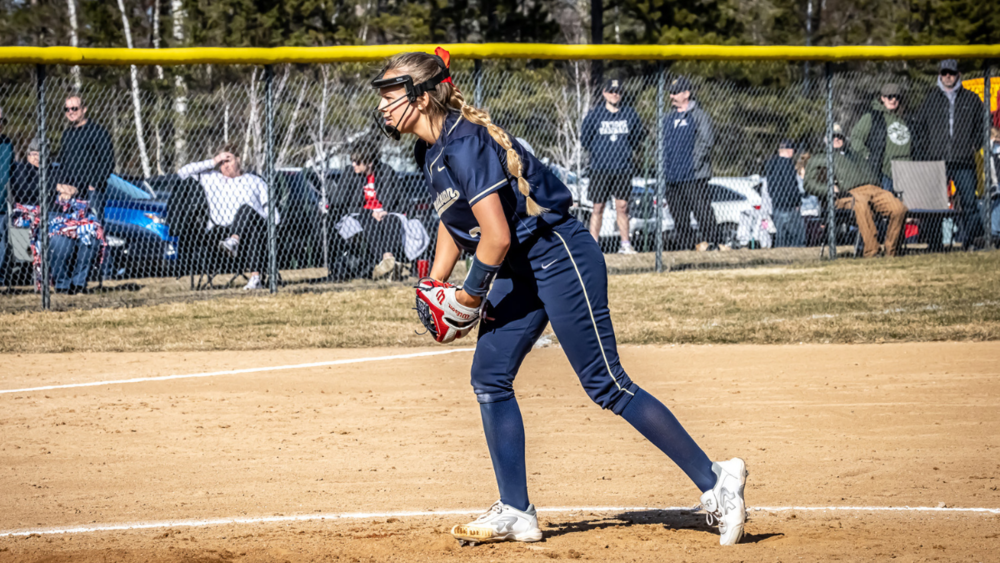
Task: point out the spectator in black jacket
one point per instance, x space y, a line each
86 156
948 126
612 132
24 178
786 200
381 194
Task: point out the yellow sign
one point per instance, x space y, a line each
976 86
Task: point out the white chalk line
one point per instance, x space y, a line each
202 523
238 371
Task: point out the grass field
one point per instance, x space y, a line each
919 298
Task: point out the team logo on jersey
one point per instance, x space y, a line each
445 200
680 122
898 133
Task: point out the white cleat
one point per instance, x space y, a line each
501 523
724 504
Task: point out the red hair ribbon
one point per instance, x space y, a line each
446 57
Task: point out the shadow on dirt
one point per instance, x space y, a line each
686 519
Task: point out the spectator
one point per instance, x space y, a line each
612 132
786 200
86 156
855 188
381 195
996 114
74 234
6 165
994 198
237 203
948 126
687 155
24 178
881 135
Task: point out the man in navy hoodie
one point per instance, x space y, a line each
687 160
612 132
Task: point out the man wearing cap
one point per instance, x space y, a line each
86 156
612 132
949 126
687 159
855 187
786 200
881 135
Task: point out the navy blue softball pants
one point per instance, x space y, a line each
558 276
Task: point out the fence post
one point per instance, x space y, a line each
988 178
43 184
831 236
661 188
272 202
477 95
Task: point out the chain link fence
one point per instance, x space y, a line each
184 182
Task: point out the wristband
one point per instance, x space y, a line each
480 276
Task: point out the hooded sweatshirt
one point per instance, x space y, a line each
895 144
948 126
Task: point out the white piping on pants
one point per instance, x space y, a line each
590 310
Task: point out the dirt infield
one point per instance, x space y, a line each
892 425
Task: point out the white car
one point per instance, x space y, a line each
730 196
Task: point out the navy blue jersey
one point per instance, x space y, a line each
466 165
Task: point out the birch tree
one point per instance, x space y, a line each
180 88
158 116
136 107
74 41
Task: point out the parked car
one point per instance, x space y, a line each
730 196
136 230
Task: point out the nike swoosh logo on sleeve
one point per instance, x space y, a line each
545 266
440 168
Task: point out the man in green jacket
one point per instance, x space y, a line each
855 187
881 135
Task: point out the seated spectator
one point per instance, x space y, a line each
380 195
24 178
856 187
786 200
74 233
237 204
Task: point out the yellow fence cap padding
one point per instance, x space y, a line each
363 53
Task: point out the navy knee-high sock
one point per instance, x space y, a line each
655 421
505 436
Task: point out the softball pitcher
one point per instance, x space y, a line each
533 264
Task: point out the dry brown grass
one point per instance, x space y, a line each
932 297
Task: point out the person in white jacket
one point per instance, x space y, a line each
237 203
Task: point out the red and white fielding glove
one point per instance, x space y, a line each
445 318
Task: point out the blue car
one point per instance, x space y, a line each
137 234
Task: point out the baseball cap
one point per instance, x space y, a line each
949 65
613 85
786 144
891 89
34 146
680 84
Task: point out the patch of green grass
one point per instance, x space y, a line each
923 298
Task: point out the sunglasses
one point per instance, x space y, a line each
891 97
948 73
71 109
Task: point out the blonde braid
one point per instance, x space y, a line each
480 117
